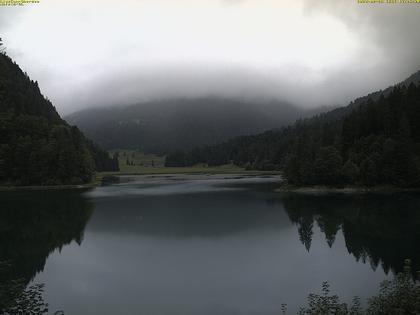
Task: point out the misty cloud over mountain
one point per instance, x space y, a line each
310 53
181 124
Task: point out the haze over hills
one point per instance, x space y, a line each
181 124
170 125
375 140
374 96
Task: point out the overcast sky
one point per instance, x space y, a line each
100 52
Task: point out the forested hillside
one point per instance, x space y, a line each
37 147
182 124
376 142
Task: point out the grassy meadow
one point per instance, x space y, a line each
136 162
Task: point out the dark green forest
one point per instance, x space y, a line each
377 142
37 147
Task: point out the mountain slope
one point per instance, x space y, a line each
37 147
374 141
340 112
181 124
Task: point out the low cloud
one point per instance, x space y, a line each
311 53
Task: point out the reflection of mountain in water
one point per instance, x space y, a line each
211 214
383 229
34 224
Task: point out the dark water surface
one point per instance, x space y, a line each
203 245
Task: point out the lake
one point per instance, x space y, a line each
202 244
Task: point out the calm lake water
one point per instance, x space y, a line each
203 245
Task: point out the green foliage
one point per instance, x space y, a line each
1 46
37 147
379 139
16 298
28 301
176 159
329 304
350 172
327 166
102 160
399 296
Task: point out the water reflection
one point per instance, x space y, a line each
35 224
210 215
379 229
219 247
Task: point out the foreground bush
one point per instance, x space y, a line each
16 298
400 296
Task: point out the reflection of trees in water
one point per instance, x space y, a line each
381 229
33 225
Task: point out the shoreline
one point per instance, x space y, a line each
322 190
308 190
46 188
99 178
95 182
198 172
